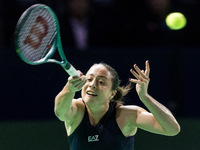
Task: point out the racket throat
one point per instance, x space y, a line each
65 65
70 69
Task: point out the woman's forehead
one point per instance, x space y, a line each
99 70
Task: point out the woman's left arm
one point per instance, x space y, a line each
160 120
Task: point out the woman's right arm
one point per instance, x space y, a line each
65 107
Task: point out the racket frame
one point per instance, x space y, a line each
55 45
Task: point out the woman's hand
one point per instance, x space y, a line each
142 79
76 83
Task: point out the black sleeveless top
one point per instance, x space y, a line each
105 136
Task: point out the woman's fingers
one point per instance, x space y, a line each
135 81
147 70
136 75
141 72
76 82
140 75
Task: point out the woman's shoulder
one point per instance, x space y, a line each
126 110
128 107
124 115
79 104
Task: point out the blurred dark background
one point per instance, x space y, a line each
120 33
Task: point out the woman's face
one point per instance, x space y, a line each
98 88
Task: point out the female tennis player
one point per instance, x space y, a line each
99 120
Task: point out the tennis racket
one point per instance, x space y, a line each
37 37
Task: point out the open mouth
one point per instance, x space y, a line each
91 93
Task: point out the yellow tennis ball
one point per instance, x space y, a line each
176 21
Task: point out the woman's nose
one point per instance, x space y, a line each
93 84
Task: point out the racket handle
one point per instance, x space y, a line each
71 70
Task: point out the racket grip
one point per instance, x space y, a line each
71 70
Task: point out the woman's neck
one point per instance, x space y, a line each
96 113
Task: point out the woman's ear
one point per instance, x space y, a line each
113 94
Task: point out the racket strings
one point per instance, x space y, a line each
37 35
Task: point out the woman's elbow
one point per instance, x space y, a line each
175 130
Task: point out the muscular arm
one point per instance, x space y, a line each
65 104
159 120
